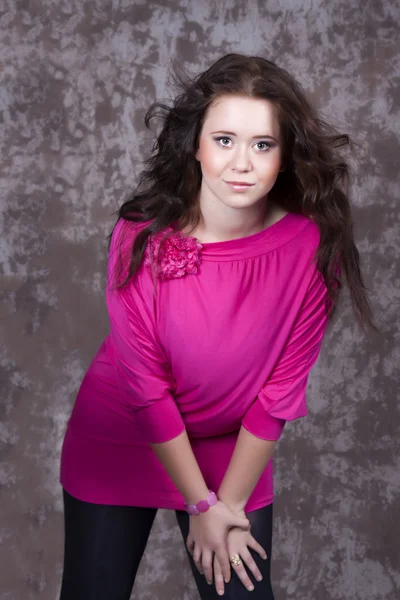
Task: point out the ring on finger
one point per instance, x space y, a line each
235 560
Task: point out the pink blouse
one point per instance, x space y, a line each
214 337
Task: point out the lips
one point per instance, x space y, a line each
239 186
240 183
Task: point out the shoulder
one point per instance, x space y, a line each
123 237
125 231
308 229
301 251
306 235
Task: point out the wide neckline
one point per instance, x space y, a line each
256 244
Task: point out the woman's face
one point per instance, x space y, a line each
239 151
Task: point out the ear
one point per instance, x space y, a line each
197 154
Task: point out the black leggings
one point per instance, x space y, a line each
104 546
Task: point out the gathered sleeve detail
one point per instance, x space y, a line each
283 396
142 369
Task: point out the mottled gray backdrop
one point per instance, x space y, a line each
76 78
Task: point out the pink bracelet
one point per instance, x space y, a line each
203 505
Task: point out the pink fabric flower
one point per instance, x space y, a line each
173 256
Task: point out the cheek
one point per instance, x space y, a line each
210 158
272 168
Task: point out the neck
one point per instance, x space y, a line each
218 225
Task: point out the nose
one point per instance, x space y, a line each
241 159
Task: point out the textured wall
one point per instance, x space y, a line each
76 77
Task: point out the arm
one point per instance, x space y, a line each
178 459
282 398
143 370
145 377
147 383
249 459
207 531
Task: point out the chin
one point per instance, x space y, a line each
240 202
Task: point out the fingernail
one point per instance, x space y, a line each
259 578
220 593
265 557
250 588
209 582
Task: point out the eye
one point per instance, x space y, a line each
263 146
224 141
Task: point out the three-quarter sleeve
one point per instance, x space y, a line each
141 366
283 396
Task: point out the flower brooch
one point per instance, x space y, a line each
169 254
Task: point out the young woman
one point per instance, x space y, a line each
224 271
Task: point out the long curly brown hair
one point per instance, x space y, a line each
314 182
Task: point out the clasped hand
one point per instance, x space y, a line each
216 535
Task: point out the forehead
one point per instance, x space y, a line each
243 116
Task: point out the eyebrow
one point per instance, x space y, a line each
255 137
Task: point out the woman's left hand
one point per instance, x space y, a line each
238 543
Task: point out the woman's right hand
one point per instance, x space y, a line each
208 534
